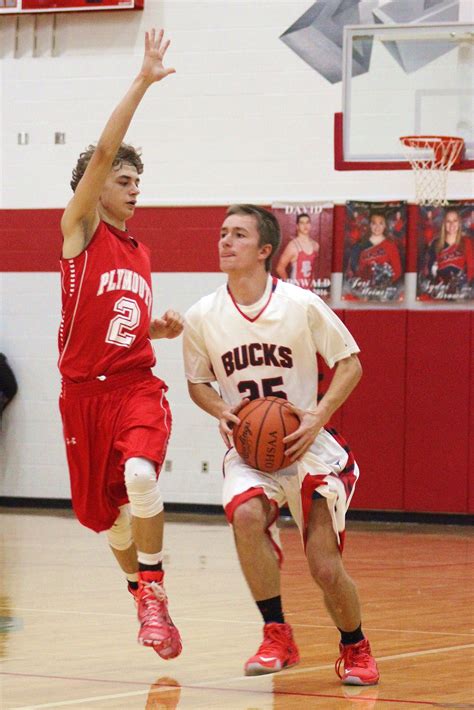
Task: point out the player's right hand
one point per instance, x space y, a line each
228 419
155 49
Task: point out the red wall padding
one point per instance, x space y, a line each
437 411
471 425
373 416
181 238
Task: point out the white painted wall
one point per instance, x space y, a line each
32 456
244 119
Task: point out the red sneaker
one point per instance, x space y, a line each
277 650
359 666
156 627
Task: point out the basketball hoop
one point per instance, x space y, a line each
431 158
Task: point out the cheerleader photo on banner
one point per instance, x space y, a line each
445 269
374 251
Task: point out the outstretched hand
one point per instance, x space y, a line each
170 325
155 49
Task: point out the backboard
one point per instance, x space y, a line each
418 79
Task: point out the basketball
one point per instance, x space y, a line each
258 438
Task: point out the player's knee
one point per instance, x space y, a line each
120 534
140 474
249 518
142 488
325 572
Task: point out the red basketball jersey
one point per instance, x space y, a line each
384 253
457 257
302 268
106 307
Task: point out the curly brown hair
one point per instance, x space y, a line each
125 154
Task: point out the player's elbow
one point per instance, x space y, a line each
357 368
194 389
352 368
191 390
104 152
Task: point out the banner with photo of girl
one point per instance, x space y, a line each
374 251
305 254
445 270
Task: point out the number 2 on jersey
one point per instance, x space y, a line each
121 325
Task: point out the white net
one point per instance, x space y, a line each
431 158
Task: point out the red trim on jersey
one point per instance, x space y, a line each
122 234
71 327
241 498
254 492
311 482
252 320
347 475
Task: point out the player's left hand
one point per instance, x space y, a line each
170 325
298 443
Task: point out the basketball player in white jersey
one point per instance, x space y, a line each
258 336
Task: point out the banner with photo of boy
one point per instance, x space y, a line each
305 254
445 270
374 251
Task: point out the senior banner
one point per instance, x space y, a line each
445 270
305 254
374 251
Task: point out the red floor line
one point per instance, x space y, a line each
361 698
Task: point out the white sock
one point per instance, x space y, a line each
147 558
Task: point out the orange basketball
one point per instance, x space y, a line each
258 438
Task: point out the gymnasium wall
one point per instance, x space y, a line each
244 119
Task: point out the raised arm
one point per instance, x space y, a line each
81 217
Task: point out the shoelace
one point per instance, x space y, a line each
272 640
351 656
153 596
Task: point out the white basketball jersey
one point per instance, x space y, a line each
266 349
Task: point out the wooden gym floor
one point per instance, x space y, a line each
67 624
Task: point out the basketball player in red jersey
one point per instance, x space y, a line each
115 415
259 336
299 254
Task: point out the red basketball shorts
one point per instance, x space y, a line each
105 423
